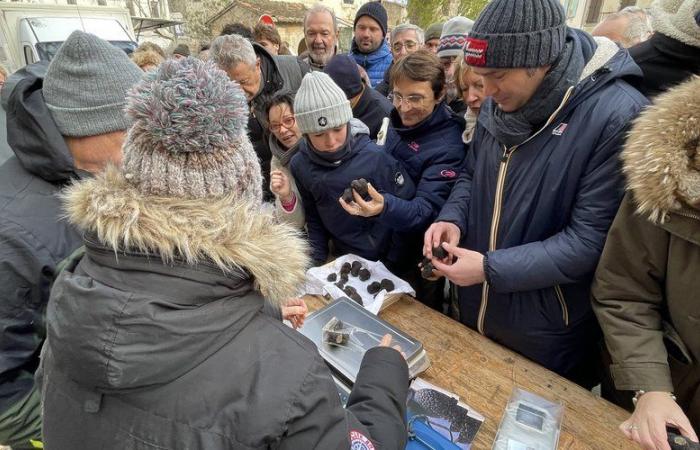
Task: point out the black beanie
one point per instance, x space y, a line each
376 11
517 34
343 70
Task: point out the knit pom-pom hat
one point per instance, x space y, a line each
188 137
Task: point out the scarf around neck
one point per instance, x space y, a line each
283 155
513 128
331 159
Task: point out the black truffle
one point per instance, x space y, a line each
349 290
332 277
427 268
439 252
355 268
374 287
356 297
347 195
344 277
341 284
345 268
360 186
387 285
365 274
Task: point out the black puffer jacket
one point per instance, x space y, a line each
153 355
33 238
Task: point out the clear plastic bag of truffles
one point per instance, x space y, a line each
529 422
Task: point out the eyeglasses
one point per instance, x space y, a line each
288 122
409 45
414 101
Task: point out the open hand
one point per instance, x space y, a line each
362 208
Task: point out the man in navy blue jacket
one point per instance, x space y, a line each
542 183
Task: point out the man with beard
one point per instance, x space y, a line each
369 47
321 37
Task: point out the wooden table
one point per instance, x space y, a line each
484 373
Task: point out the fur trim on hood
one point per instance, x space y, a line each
233 236
662 154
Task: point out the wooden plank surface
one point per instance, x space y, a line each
484 373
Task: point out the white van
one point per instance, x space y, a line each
31 33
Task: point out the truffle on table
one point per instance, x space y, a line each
355 268
387 285
345 268
374 287
365 274
332 277
356 298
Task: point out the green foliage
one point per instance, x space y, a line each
471 8
425 12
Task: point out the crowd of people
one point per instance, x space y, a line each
161 209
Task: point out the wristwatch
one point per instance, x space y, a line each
638 395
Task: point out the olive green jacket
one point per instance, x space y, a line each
647 289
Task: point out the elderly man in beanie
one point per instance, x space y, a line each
542 183
432 37
672 54
405 39
62 128
169 333
452 40
368 106
260 75
369 47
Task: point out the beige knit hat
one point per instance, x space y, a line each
188 138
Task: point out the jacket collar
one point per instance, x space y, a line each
660 173
219 233
440 115
380 53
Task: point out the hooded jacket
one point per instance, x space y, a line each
375 63
33 238
160 337
321 185
540 211
277 73
646 289
665 62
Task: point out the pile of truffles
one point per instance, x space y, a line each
427 265
360 186
356 270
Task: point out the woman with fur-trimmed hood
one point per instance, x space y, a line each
647 289
167 333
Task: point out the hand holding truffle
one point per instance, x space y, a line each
358 206
468 268
295 311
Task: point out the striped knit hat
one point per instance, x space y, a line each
454 35
188 137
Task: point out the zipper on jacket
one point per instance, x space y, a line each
562 302
498 203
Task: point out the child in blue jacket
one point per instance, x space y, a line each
335 151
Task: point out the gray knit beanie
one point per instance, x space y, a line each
85 86
454 36
320 104
517 34
434 31
189 138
